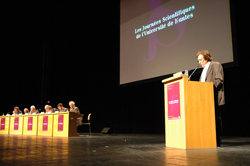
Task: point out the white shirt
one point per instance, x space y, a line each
204 72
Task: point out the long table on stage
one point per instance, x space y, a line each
45 125
51 124
5 124
30 123
16 124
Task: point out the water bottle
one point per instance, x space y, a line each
186 72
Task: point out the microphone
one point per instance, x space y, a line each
193 73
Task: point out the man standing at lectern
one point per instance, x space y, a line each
213 72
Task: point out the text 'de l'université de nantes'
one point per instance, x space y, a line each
167 21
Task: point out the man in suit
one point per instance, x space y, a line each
48 109
26 111
16 111
75 109
33 110
61 108
213 72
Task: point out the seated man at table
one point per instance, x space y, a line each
75 109
26 111
46 107
49 109
33 110
61 108
16 111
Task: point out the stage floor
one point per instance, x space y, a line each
117 150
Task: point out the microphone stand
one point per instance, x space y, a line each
192 73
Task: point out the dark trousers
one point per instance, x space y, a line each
218 122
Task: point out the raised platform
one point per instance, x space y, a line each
116 149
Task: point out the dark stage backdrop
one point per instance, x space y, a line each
59 52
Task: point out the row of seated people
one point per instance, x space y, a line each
49 109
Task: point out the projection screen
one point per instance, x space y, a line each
160 37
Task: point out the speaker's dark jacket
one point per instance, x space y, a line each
215 74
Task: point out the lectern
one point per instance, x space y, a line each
189 113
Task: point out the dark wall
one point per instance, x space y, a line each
61 52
